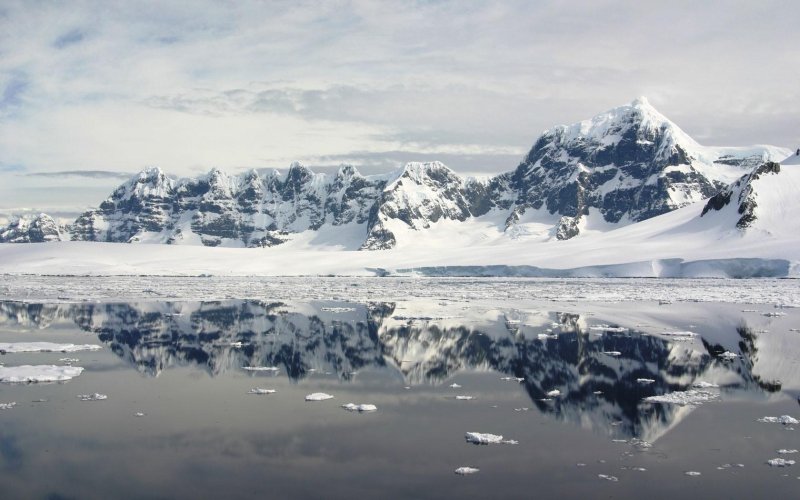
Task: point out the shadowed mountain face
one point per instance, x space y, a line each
599 371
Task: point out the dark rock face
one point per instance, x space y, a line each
743 194
38 229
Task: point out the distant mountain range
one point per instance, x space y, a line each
621 167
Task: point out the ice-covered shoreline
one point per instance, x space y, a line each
33 288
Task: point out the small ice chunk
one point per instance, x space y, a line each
690 397
645 381
12 347
465 398
261 368
483 438
514 379
554 393
338 309
69 361
38 373
608 328
92 397
783 419
728 355
260 391
692 473
686 334
7 406
613 479
780 462
139 414
465 471
455 386
702 384
612 353
784 451
359 408
318 396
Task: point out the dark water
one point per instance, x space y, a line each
204 436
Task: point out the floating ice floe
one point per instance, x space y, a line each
486 438
261 368
692 473
780 462
784 451
13 347
455 386
728 466
7 406
92 397
690 397
553 394
465 398
515 379
318 396
68 361
359 408
728 355
38 373
139 414
679 334
701 384
608 328
612 353
783 419
645 381
773 314
613 479
260 391
465 471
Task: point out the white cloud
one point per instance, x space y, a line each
187 86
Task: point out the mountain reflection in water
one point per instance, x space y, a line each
602 374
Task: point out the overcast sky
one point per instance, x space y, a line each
89 90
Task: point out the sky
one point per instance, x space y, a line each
92 92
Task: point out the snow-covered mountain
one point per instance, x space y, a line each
32 229
623 166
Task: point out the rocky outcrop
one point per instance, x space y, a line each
743 194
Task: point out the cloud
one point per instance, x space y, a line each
71 37
93 174
116 86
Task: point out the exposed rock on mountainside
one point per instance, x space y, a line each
743 194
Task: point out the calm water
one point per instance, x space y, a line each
203 436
